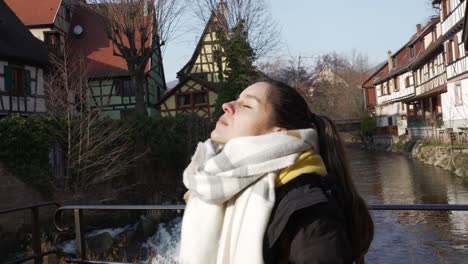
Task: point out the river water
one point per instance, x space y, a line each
400 236
411 236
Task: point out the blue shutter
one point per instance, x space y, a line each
27 82
8 79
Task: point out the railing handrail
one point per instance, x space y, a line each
417 207
38 254
6 211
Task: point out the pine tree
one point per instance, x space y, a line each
240 71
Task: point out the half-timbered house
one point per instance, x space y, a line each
455 101
397 87
425 107
369 88
23 59
48 20
200 78
111 87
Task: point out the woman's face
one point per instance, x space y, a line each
250 115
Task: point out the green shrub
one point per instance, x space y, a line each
25 144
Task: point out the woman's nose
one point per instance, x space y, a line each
229 107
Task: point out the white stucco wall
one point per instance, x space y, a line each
455 115
34 103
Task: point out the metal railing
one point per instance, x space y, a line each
35 232
79 219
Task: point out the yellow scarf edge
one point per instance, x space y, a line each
307 162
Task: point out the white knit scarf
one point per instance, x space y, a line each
232 193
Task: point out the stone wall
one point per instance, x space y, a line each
454 160
16 193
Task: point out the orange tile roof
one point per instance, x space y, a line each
95 46
35 12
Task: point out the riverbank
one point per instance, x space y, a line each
447 157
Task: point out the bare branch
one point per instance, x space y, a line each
263 32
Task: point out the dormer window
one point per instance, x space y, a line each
412 51
52 39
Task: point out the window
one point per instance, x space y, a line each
125 87
217 57
458 94
390 121
52 39
200 98
17 78
397 84
67 14
402 106
17 81
200 75
192 99
412 51
184 100
407 82
448 49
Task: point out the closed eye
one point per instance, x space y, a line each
246 106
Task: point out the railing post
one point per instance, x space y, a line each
36 235
80 239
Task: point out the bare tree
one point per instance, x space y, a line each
263 32
94 149
334 89
136 29
290 71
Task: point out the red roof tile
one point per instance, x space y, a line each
35 12
95 46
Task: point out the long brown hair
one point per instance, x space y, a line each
290 111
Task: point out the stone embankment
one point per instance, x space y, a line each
453 159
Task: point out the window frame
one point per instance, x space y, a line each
458 94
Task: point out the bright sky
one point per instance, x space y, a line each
313 27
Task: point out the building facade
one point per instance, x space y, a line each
23 60
455 100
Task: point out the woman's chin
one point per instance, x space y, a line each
216 137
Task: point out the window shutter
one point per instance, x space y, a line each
456 47
27 82
8 79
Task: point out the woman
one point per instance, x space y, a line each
272 185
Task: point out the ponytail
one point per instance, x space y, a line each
291 111
332 151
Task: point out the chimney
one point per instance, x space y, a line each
418 28
390 60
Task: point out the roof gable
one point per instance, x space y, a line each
204 53
17 42
35 12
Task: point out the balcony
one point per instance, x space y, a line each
454 18
396 95
430 85
457 67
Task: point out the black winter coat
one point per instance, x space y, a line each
307 224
